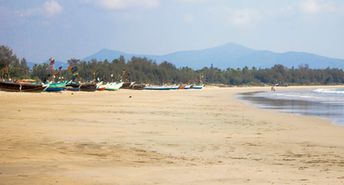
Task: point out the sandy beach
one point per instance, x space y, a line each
162 137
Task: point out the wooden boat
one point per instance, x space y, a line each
114 86
21 87
73 86
26 81
56 87
138 86
88 87
127 85
133 85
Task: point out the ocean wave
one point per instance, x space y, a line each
288 95
327 103
331 91
319 95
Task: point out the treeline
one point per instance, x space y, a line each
143 70
11 66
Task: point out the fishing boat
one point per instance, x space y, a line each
184 86
127 85
88 87
21 87
56 87
197 86
138 86
133 85
113 86
73 86
187 87
101 86
173 87
181 87
156 88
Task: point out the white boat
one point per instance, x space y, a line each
113 86
197 86
187 87
170 87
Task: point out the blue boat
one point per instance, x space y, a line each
56 87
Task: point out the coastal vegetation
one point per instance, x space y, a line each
143 70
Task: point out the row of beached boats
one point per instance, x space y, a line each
174 87
29 86
47 87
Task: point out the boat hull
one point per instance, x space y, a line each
161 88
138 86
73 86
187 87
113 86
73 89
56 87
88 87
197 87
127 85
101 88
18 87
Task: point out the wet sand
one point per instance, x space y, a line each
162 137
309 107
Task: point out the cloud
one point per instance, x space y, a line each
127 4
49 8
192 1
247 16
237 17
316 6
310 6
52 8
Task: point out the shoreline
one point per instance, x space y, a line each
170 137
295 105
250 105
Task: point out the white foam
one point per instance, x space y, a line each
332 91
332 96
327 103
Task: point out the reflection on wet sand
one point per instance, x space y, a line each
335 112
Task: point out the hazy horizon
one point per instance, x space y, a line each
38 29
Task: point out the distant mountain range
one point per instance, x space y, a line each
230 55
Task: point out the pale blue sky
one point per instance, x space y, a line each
38 29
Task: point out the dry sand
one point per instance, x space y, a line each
162 137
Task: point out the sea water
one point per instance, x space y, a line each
323 102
